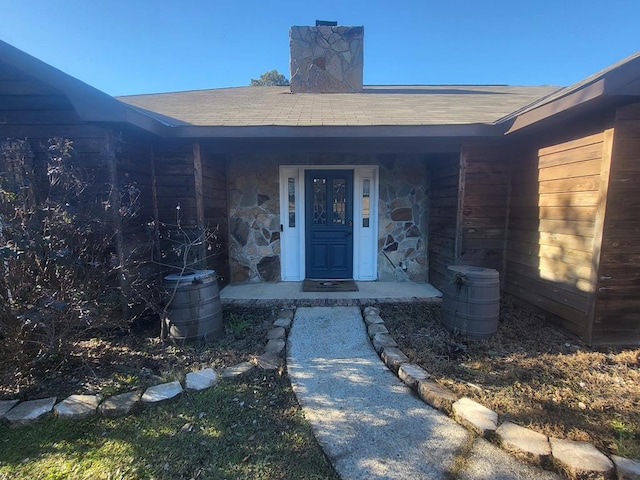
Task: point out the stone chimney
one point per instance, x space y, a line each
326 58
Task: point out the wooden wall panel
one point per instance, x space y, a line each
175 185
443 214
617 309
552 228
216 212
134 165
485 206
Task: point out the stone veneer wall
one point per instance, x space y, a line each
326 59
254 220
255 217
402 219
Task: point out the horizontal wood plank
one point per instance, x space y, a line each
572 144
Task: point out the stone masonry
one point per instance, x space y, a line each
326 59
254 221
255 214
402 219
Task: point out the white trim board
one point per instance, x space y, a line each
292 236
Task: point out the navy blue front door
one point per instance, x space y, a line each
329 224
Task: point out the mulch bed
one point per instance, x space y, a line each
531 374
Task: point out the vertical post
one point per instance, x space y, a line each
198 186
605 171
457 255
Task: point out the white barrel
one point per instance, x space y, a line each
471 301
195 311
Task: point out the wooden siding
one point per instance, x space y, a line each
31 109
216 212
135 168
443 215
484 208
189 177
552 228
175 185
617 310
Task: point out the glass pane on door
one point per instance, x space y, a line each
339 201
319 201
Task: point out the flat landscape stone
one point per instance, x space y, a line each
28 412
525 443
201 380
481 419
77 406
285 313
370 319
393 357
122 404
627 468
276 332
371 311
436 395
269 361
162 392
237 370
275 345
580 459
382 341
411 374
282 322
376 328
6 405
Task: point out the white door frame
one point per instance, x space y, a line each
365 234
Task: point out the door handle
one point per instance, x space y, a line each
346 234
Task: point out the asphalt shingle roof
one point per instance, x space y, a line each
375 106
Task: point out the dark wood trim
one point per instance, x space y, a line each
605 171
462 174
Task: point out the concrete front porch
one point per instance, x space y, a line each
291 294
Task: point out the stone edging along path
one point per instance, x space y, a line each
17 414
575 459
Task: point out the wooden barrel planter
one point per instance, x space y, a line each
194 311
471 301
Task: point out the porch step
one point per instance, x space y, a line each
290 294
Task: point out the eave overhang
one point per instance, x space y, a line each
616 85
373 131
91 104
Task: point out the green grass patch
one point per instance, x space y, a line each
250 428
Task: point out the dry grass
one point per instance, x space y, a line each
531 374
114 361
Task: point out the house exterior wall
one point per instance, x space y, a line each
617 310
254 213
443 215
485 176
191 201
553 238
469 209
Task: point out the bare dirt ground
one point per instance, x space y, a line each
110 362
531 374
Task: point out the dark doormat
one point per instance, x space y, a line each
329 286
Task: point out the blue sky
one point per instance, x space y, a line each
141 46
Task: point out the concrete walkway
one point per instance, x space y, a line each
369 423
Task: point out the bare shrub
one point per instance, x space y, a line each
56 248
